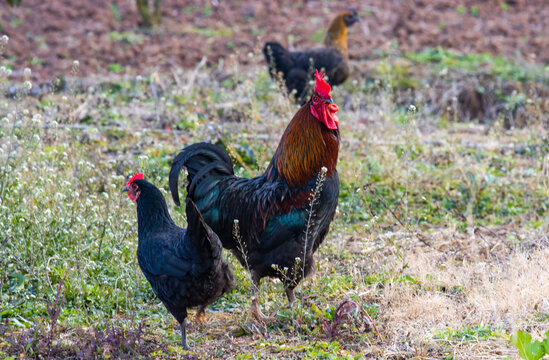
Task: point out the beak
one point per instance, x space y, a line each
125 188
328 101
353 10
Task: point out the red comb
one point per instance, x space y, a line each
136 176
322 88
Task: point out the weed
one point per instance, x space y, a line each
129 38
474 11
116 68
344 311
54 311
313 201
473 333
528 349
115 12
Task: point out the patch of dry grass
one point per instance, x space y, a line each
454 293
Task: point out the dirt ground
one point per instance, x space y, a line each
105 35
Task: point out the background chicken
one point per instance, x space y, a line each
271 209
297 67
184 267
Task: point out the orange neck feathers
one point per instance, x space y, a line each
306 146
337 34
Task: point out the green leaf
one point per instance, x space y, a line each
545 342
528 350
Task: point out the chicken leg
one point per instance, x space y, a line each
184 337
291 296
200 316
256 311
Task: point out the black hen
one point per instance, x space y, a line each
298 67
184 267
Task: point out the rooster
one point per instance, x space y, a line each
184 267
297 67
277 233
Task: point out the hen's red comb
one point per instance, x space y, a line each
322 88
136 176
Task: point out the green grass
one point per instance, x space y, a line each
116 68
499 66
222 32
473 333
125 37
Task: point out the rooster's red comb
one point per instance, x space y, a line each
322 88
136 176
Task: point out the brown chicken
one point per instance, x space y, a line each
277 234
297 67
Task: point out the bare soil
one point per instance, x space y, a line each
49 35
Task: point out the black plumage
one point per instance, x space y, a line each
184 266
297 67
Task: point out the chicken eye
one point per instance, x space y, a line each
315 98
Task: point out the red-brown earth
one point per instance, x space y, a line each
104 36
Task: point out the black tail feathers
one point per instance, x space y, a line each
202 161
198 230
276 56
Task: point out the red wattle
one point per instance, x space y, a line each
327 115
331 122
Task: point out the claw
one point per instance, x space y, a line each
257 314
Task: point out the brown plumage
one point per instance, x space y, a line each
271 209
304 149
337 32
297 67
